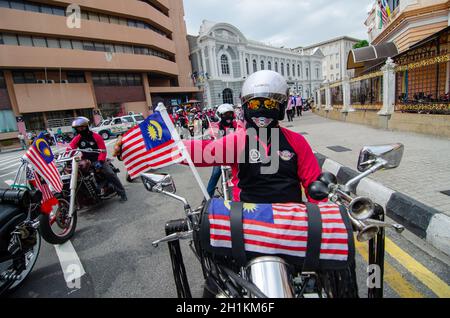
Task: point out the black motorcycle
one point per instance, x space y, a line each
83 187
20 240
234 272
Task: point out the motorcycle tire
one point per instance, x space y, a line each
25 273
46 229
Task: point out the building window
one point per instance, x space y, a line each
298 71
307 73
247 67
225 65
293 70
24 77
282 69
317 73
227 95
269 66
7 121
39 42
288 70
2 80
76 77
255 66
276 67
116 79
262 65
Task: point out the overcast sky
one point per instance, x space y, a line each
289 23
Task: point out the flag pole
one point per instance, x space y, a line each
176 137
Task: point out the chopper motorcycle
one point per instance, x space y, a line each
235 271
83 187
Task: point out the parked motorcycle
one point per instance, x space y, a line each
281 276
83 187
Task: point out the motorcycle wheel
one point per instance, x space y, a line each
30 261
57 228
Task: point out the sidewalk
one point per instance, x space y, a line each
410 193
423 173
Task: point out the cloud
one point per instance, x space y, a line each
289 23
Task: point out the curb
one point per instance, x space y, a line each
424 221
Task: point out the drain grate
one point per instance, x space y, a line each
339 149
304 133
446 192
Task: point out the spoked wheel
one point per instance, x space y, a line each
30 260
58 227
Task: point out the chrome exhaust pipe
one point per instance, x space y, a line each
272 276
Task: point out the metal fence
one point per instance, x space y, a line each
366 92
337 96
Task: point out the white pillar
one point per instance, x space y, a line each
319 99
328 105
203 60
346 94
388 88
212 59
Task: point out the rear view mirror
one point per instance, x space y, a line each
371 155
159 183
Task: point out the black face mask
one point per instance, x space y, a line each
262 118
84 133
226 120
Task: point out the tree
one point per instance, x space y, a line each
361 44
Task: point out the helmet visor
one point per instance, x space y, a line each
263 103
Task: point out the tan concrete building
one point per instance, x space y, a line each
410 22
65 58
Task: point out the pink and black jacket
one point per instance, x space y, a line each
298 167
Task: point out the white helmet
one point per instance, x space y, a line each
265 84
224 108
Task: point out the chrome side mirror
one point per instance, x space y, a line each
370 155
159 183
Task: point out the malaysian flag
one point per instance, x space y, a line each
280 229
41 158
48 199
384 12
149 146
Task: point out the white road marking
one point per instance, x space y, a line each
9 159
70 264
4 175
16 164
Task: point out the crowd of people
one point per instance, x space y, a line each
50 136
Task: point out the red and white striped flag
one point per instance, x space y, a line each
281 229
149 145
41 158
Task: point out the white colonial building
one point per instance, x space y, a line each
334 67
222 58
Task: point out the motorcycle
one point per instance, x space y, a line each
83 187
20 240
240 274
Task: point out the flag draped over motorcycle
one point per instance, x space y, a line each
149 146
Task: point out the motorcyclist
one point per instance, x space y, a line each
264 99
89 140
227 124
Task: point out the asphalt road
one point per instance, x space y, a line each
113 246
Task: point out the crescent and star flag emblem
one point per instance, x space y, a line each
149 146
45 151
41 158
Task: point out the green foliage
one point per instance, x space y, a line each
361 44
